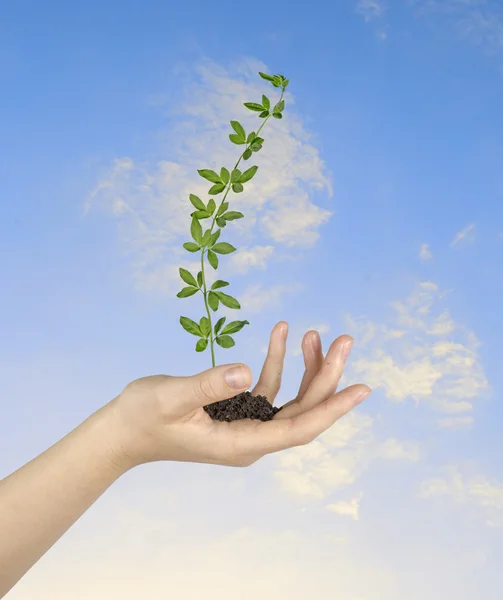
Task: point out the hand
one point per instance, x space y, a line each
162 418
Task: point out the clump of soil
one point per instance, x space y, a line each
242 406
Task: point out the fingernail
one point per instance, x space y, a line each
362 396
346 349
236 377
315 341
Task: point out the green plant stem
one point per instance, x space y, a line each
205 294
229 185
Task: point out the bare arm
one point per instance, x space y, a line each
40 501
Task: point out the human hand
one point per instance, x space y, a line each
161 417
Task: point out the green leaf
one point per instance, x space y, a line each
200 279
205 326
235 139
187 291
264 114
279 107
285 83
223 248
266 103
254 106
233 215
190 326
197 202
248 174
221 222
209 175
218 188
266 77
247 153
256 147
225 341
219 324
237 187
277 115
201 345
276 81
251 137
228 301
236 174
196 230
206 237
191 247
234 326
213 301
224 175
214 237
223 207
187 277
219 283
201 214
238 128
213 259
211 206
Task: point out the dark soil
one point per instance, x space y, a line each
242 406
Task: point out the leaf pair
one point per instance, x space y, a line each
203 329
276 80
236 178
215 297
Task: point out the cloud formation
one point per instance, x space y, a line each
423 354
149 200
476 491
466 235
425 253
371 9
337 459
479 22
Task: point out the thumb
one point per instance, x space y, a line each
218 383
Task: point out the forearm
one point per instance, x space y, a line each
42 499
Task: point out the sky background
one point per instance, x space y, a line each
377 211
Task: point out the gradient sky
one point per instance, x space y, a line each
377 211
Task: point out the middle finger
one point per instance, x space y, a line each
325 381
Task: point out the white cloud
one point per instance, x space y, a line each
475 491
245 258
454 422
393 449
256 297
347 508
337 458
421 354
425 252
466 235
149 200
478 21
371 9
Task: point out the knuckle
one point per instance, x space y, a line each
298 434
205 389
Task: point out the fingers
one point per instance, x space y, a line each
276 435
324 382
313 359
213 385
270 377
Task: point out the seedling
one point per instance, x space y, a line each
207 241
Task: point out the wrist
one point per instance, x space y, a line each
115 446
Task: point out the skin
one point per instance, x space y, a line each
161 418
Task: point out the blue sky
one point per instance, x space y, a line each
376 211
